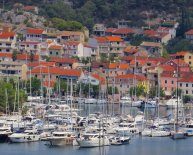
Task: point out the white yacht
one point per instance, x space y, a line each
172 103
189 129
27 136
93 140
61 138
119 140
127 129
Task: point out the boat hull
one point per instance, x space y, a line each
93 143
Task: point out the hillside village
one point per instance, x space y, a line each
103 57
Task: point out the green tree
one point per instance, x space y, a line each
111 90
35 86
139 90
178 44
153 92
7 94
63 86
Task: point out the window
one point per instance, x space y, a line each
172 82
180 84
186 84
121 85
190 62
165 88
56 53
186 91
7 50
50 53
165 81
190 57
192 91
192 85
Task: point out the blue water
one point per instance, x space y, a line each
137 146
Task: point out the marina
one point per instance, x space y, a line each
98 136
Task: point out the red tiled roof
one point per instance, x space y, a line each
114 39
118 65
56 47
109 39
110 30
123 31
6 35
188 79
166 67
124 66
29 8
190 32
62 60
131 49
34 31
149 32
101 39
41 63
56 71
131 76
7 55
26 57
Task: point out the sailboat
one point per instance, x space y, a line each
177 134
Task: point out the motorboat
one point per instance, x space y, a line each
61 138
127 129
27 136
93 140
189 129
119 140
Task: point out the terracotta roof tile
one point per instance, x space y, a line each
114 39
124 31
34 31
132 49
110 30
26 57
5 55
41 63
6 35
190 32
56 71
55 47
